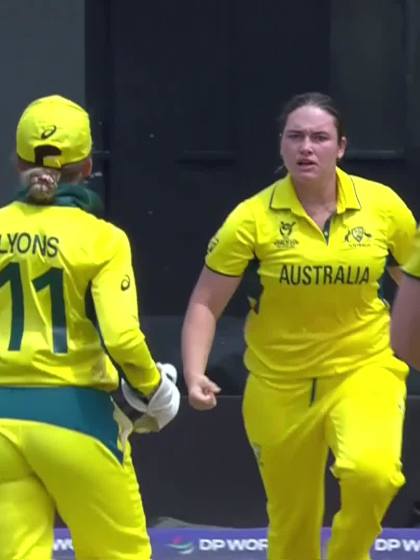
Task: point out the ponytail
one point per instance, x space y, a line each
41 184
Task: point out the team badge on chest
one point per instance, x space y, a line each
286 240
358 237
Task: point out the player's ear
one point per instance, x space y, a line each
342 145
87 167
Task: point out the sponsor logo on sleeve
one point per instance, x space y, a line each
125 283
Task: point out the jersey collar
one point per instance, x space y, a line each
78 196
284 196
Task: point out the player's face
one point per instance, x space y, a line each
310 146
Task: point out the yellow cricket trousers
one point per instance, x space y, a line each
44 468
291 426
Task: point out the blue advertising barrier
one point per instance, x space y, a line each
244 544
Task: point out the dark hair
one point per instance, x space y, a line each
320 100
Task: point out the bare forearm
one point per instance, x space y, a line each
405 336
395 273
197 338
405 324
208 300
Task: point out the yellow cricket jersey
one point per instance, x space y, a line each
67 290
319 311
412 266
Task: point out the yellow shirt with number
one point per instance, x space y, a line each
319 310
67 290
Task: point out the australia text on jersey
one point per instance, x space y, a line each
323 274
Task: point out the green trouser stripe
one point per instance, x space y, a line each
85 410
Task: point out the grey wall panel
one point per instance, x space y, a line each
42 51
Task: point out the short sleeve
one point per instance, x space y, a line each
412 266
232 247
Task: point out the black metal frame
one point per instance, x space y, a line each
99 88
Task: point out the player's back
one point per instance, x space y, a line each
48 258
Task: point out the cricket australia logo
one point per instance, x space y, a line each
358 237
286 231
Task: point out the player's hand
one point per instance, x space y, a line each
202 393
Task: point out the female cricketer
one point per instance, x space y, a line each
322 374
68 305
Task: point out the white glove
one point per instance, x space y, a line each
161 408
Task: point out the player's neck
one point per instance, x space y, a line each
317 194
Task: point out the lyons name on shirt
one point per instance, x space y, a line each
23 243
323 274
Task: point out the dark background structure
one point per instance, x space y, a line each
184 98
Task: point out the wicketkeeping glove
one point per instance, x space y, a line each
160 408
